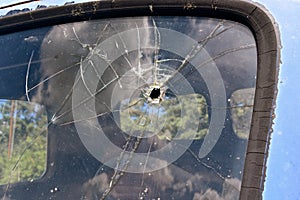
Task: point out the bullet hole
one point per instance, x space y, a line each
155 93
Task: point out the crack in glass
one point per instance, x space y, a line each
150 99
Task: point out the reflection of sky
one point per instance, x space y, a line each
34 4
283 173
2 101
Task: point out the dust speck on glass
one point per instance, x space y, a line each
138 108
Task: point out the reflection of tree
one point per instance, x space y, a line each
241 112
168 117
29 121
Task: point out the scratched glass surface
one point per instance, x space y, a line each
138 108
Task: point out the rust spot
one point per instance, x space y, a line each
189 6
77 11
214 6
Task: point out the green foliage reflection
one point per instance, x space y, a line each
241 111
23 128
167 118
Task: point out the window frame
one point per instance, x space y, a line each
253 15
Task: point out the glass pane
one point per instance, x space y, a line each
23 125
141 104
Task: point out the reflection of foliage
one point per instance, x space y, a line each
173 115
241 112
27 159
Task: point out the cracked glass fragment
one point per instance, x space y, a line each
158 106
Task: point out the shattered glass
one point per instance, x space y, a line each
138 108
